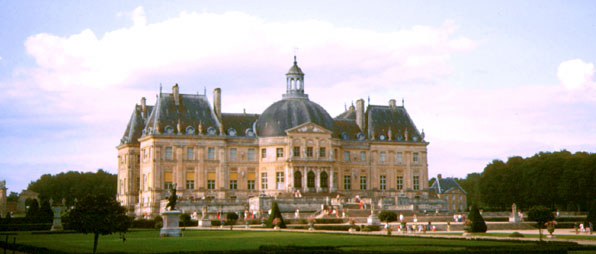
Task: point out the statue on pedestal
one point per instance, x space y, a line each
171 217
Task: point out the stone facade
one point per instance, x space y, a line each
293 148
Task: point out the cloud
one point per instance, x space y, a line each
576 74
0 58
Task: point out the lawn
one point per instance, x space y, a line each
148 241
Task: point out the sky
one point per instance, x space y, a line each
485 79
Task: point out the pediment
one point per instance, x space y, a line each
309 127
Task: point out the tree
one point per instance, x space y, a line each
185 219
231 217
45 215
592 214
477 224
12 197
98 214
387 216
540 215
33 210
275 213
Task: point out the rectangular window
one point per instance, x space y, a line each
335 154
415 157
346 156
211 153
250 180
233 180
168 180
362 156
399 157
296 151
322 152
382 156
264 181
211 180
190 153
168 153
400 183
279 152
190 180
347 182
279 179
415 181
251 154
263 153
382 183
363 182
232 153
309 152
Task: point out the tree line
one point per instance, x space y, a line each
557 180
74 185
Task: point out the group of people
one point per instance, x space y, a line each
588 228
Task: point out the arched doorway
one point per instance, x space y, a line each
324 181
310 181
297 180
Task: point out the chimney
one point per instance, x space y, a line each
144 106
360 114
217 102
176 94
392 103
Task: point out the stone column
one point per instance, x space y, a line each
332 186
317 180
304 181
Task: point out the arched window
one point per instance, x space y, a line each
324 180
297 179
310 179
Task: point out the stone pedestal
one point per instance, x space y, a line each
170 224
204 223
57 223
373 220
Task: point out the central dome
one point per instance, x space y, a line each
288 113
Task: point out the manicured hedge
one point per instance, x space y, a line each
329 221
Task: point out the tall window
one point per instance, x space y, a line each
211 180
363 182
322 152
382 183
168 153
168 180
309 152
190 180
250 180
264 180
296 151
211 153
190 153
347 182
400 183
233 184
279 180
362 156
233 153
279 152
416 182
415 157
399 157
263 153
251 154
335 154
382 156
346 156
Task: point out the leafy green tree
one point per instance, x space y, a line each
477 224
275 213
387 216
231 218
98 214
46 215
32 210
540 215
12 197
592 213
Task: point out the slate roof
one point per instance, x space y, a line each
347 126
239 122
135 126
381 119
192 110
291 112
295 69
348 114
443 185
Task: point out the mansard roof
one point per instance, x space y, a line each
349 114
444 185
192 110
381 119
239 122
345 127
136 124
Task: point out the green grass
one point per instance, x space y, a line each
570 237
148 241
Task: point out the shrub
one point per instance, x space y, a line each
477 224
540 215
275 214
184 220
158 222
387 216
516 234
143 223
231 218
370 228
329 221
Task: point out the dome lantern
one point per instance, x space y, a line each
295 82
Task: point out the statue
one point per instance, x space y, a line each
2 184
172 199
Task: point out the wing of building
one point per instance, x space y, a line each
293 146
